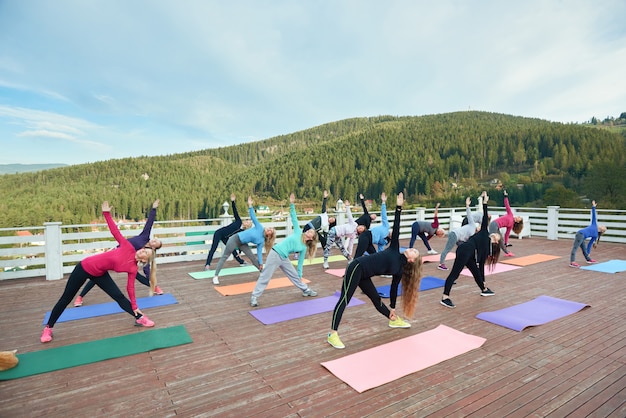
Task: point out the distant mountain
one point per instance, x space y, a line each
26 168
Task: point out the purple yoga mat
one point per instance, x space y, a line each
296 310
538 311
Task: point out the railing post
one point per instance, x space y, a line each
421 213
553 223
54 251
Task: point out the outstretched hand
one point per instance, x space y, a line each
505 193
106 207
361 196
156 204
325 194
232 197
292 198
593 203
250 201
400 199
468 201
383 197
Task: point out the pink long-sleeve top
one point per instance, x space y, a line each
506 221
120 259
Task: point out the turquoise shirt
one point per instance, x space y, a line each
254 235
293 243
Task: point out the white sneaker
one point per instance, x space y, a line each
253 301
216 280
432 252
326 266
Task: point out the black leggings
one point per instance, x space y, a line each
90 284
222 235
354 278
465 257
76 280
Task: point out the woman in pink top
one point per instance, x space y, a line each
122 259
508 221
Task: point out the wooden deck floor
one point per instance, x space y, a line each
236 366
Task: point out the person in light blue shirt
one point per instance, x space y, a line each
298 242
594 232
262 237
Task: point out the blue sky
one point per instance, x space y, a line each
92 80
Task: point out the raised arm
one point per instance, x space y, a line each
106 211
292 212
234 205
485 223
324 201
507 206
395 232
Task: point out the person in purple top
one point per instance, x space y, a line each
222 234
594 232
258 235
142 240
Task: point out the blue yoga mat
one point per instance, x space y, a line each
427 283
300 309
613 266
109 308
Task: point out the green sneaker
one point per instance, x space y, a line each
333 339
399 323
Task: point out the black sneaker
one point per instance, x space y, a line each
447 303
487 292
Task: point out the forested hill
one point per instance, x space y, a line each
433 158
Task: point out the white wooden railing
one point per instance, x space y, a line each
52 250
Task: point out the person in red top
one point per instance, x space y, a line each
508 221
122 259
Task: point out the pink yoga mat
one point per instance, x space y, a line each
383 364
434 258
336 272
499 268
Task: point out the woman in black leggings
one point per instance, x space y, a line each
222 234
404 267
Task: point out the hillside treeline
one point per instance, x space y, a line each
436 158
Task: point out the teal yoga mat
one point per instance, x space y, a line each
208 274
110 308
44 361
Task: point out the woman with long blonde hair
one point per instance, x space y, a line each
123 259
406 268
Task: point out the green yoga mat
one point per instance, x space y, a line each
320 260
73 355
208 274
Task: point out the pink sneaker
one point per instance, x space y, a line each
591 261
158 290
78 302
509 254
574 265
144 321
46 335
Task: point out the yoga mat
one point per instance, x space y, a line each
612 266
336 272
248 287
538 311
208 274
427 283
110 308
434 258
320 260
529 259
73 355
383 364
499 268
300 309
